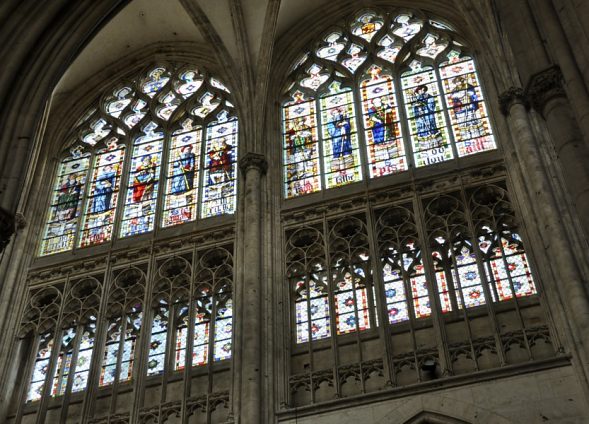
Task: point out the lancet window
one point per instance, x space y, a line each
377 96
476 256
156 151
125 321
154 323
383 290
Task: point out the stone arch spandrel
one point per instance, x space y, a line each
441 410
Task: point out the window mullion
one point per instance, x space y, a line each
85 200
28 375
483 279
201 172
319 122
361 132
162 183
115 383
47 387
212 343
431 282
446 112
515 298
403 120
456 284
125 175
333 310
308 276
70 378
380 302
187 371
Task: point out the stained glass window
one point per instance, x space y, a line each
202 325
82 368
119 352
181 338
174 117
457 262
60 230
157 345
301 149
101 204
507 267
213 309
132 330
352 91
312 310
40 368
384 144
331 281
182 179
427 124
220 168
308 279
340 139
143 183
111 353
64 363
403 273
466 106
223 324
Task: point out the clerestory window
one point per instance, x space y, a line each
377 96
154 152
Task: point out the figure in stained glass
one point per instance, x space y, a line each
381 121
103 190
424 108
339 130
299 134
220 162
69 195
465 103
183 173
144 180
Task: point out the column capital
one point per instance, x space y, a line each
544 86
253 160
511 96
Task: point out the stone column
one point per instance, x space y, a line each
570 284
7 228
252 166
547 95
563 54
